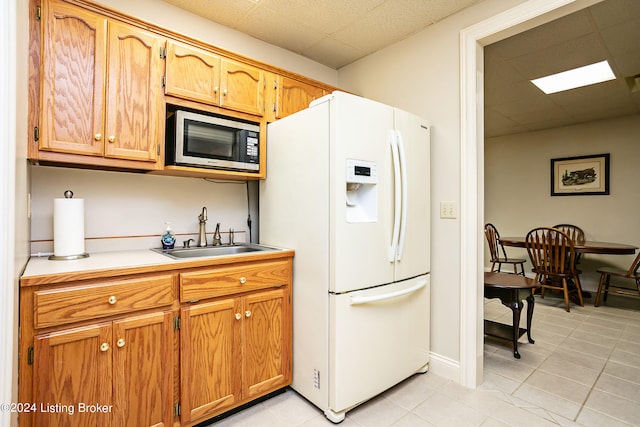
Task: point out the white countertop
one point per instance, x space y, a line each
39 266
41 270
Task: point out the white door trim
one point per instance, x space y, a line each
472 42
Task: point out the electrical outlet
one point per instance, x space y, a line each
448 210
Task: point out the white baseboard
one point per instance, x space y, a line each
444 367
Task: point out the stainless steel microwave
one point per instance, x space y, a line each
200 140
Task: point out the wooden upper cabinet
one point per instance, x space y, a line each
294 95
100 85
198 75
242 87
74 44
135 102
192 73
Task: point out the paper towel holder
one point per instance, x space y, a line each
68 194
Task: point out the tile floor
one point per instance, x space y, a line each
583 370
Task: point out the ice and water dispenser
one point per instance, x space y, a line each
362 191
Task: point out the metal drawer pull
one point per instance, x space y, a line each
113 299
243 280
97 136
104 346
238 316
247 313
120 343
112 138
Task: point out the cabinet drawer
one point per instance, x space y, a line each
230 280
74 304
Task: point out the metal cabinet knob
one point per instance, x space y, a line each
112 299
225 92
97 136
112 138
120 343
104 346
238 316
216 89
243 280
247 313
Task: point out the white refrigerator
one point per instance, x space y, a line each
348 188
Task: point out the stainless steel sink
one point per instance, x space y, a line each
212 251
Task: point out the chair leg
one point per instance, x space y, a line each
606 287
599 293
579 289
565 287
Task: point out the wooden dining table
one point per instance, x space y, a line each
588 247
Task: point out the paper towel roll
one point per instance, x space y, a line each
68 228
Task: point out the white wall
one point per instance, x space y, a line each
421 75
517 186
129 211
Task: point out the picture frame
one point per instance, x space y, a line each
580 175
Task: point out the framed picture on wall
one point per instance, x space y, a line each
582 175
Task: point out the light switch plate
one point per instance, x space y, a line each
448 210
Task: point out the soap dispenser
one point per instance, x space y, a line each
168 238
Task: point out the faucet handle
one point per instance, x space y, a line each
187 243
231 237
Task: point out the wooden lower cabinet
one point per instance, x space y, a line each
107 374
233 350
132 352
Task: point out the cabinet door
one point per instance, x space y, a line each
267 341
192 74
135 103
211 357
72 368
143 373
294 95
242 87
73 72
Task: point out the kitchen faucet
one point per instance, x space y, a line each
202 234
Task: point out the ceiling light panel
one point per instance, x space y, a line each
578 77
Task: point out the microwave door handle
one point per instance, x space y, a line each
405 195
397 196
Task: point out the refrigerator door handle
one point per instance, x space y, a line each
397 196
375 298
405 195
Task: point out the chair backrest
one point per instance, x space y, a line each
633 270
575 233
551 251
493 238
